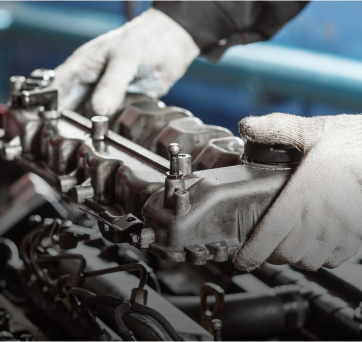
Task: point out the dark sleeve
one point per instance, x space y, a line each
217 25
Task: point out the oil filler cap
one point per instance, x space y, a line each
271 154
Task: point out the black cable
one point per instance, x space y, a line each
88 317
122 329
81 292
34 257
155 282
125 267
24 246
80 257
54 231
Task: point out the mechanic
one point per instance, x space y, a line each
316 220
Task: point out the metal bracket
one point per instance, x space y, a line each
116 229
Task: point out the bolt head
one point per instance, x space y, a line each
99 118
174 149
216 324
133 239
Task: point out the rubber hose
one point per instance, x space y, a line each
122 330
145 310
252 314
93 302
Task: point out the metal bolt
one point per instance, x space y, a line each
16 83
216 326
174 150
99 127
133 239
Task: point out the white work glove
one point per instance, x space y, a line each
147 55
317 218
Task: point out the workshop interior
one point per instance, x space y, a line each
124 228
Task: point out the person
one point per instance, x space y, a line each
316 219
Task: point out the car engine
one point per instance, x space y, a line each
124 228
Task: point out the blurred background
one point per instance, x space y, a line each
312 66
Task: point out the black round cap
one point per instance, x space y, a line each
271 154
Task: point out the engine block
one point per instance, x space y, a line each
200 205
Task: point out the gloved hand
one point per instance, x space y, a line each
147 55
317 218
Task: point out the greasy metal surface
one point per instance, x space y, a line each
200 216
143 119
226 204
191 133
219 152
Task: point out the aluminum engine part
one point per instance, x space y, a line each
141 121
191 133
219 153
193 217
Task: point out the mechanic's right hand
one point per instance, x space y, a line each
147 55
317 218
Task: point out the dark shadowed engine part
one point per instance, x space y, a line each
155 185
112 174
276 310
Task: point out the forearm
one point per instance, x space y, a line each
217 25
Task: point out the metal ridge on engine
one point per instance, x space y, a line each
202 207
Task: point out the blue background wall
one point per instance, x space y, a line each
43 34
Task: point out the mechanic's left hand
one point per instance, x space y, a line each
317 218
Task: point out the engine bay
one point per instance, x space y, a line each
124 228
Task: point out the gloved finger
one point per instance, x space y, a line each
111 89
295 245
145 82
281 218
73 78
316 255
343 253
276 128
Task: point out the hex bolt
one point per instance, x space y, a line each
174 150
182 202
99 127
16 83
216 326
184 161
